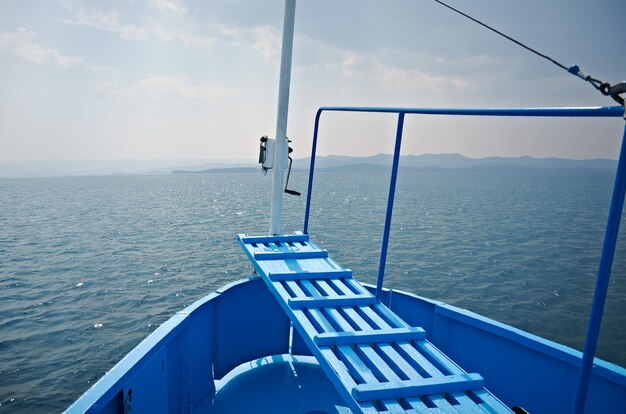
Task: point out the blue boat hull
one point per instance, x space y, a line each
190 363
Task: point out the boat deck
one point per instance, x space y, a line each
376 361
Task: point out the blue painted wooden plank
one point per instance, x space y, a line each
369 316
369 408
272 266
397 362
311 289
466 404
388 405
321 282
328 274
418 406
309 329
447 366
322 302
406 349
321 320
294 255
442 405
364 373
490 403
361 372
411 388
369 337
295 288
388 315
324 287
325 265
381 369
285 238
353 316
339 367
393 407
354 284
392 357
282 292
335 316
419 361
341 286
372 318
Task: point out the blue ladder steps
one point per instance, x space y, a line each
376 361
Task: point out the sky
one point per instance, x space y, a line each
174 79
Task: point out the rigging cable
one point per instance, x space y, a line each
604 87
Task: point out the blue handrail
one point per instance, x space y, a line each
602 281
615 212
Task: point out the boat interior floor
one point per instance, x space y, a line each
280 384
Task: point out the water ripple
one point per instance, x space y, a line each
90 266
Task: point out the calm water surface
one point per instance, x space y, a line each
90 266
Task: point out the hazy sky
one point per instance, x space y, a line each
108 79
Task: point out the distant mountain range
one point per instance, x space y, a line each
331 163
59 168
426 162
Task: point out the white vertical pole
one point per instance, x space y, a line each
280 152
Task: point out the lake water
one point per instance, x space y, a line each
89 266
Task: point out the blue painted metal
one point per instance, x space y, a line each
369 337
329 274
369 349
321 302
293 238
578 112
602 281
392 193
309 190
375 360
424 386
593 112
174 368
284 255
515 357
240 318
612 226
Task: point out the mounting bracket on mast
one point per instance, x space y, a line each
266 153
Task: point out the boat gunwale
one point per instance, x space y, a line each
104 389
564 353
107 386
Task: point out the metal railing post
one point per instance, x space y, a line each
602 281
311 170
392 192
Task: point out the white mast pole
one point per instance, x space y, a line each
280 152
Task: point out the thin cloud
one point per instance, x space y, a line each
266 41
110 22
367 66
24 43
173 87
169 6
347 64
394 78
